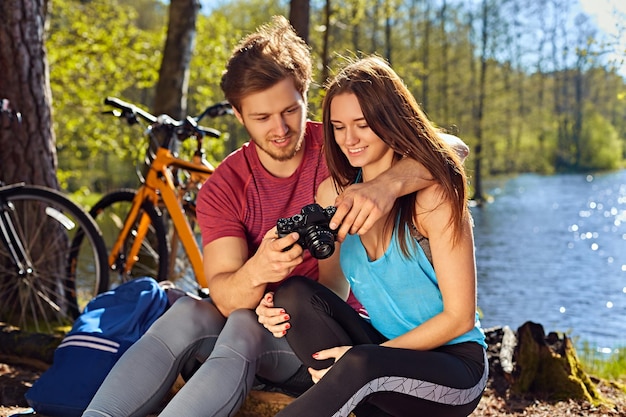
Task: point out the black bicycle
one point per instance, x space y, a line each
45 279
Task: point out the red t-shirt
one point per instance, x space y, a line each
241 199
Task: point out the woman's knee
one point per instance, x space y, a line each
358 362
292 293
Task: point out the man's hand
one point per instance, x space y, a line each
336 352
271 262
273 319
360 206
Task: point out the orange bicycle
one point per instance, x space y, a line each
152 231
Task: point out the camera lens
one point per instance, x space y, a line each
319 241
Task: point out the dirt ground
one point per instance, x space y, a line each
16 379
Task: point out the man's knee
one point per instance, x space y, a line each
189 318
243 334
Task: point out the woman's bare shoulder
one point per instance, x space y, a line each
326 193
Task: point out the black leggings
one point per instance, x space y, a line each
369 379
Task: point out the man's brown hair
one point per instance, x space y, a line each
264 58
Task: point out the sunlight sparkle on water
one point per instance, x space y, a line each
563 309
605 350
588 235
609 304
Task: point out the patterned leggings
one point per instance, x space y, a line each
372 380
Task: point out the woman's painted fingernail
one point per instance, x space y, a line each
315 354
288 326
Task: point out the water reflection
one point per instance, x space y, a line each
553 250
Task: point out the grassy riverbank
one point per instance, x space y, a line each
609 365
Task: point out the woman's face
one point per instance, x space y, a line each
357 141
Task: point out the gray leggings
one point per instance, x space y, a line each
231 352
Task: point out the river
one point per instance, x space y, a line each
552 249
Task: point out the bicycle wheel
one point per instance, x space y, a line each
110 214
59 278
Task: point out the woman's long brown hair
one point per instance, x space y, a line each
393 114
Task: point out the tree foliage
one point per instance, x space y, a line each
96 49
552 101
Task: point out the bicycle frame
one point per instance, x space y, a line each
159 185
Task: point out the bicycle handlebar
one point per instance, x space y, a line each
129 111
182 128
219 109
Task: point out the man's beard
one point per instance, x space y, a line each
280 154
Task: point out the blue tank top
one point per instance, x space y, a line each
399 293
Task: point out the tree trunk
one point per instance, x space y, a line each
445 66
28 148
549 366
479 108
388 31
173 84
326 43
299 16
426 58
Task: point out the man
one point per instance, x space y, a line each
272 176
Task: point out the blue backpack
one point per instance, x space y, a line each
108 326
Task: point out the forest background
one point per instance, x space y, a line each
529 85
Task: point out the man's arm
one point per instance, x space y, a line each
361 205
238 282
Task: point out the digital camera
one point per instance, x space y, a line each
312 226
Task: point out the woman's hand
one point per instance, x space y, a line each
273 319
336 352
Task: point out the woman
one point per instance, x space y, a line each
421 352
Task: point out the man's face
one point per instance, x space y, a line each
275 119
